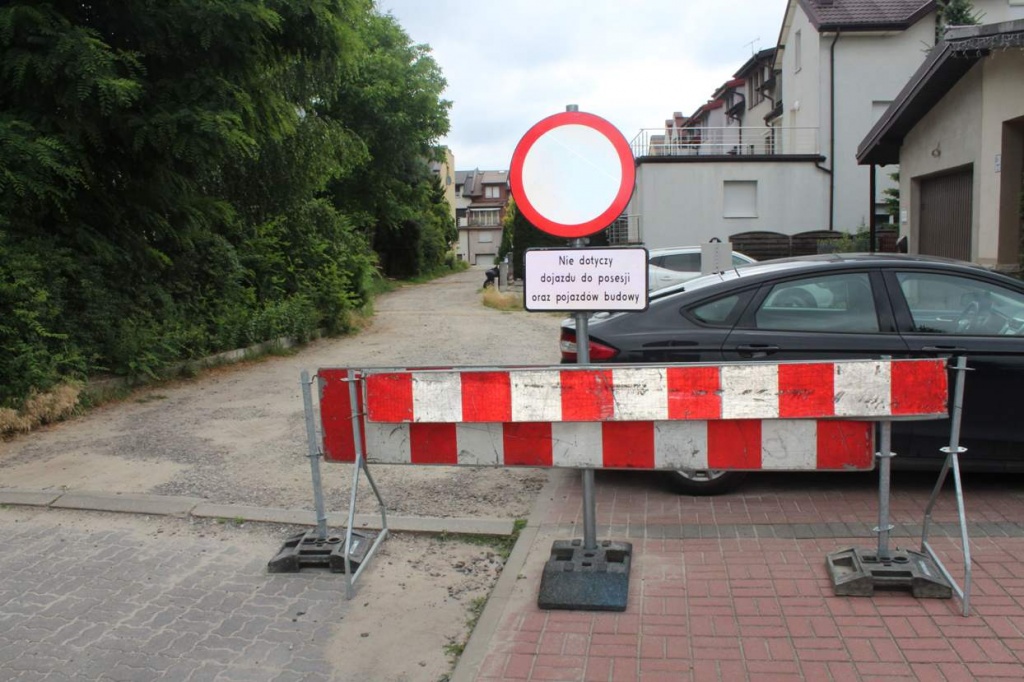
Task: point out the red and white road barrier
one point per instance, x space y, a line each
855 389
772 416
782 445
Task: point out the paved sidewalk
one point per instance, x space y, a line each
726 588
735 588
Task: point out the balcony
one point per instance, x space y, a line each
722 143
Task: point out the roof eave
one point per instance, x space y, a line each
940 72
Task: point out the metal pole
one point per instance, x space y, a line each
884 486
873 223
589 503
314 457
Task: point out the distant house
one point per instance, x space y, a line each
775 148
481 200
957 132
722 170
760 106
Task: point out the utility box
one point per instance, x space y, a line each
715 256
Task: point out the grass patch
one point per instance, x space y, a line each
502 300
41 407
501 544
454 648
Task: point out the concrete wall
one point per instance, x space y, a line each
870 72
681 204
948 137
870 69
998 194
801 103
966 128
995 11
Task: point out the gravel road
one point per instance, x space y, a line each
236 435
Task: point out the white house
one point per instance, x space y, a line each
837 67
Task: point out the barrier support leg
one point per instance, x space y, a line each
856 572
587 575
316 548
953 463
354 540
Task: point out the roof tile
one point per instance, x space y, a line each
865 13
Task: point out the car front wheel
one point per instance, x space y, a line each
706 481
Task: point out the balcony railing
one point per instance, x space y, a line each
728 141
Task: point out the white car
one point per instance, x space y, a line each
670 266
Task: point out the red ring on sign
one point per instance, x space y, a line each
618 204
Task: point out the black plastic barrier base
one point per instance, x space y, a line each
307 550
586 579
857 573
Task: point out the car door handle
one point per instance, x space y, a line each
943 349
756 350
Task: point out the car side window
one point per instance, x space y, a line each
736 260
828 303
716 312
950 304
682 262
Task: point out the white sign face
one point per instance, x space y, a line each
572 174
585 280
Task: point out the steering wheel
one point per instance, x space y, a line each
795 298
971 317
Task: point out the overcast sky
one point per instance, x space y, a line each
634 62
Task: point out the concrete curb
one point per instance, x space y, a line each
165 505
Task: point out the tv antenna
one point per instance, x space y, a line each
753 42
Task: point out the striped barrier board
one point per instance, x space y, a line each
854 389
783 416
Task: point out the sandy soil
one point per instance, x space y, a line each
237 435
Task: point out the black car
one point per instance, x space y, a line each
842 306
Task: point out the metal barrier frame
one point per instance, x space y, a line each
952 451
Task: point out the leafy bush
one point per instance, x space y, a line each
178 179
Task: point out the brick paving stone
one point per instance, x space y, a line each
110 605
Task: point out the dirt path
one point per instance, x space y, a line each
237 435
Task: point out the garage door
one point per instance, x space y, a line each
946 215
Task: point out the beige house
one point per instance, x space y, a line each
957 132
481 200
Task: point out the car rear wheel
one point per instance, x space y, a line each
706 481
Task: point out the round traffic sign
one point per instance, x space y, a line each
572 174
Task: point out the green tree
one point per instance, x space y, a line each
892 198
391 101
135 137
518 235
954 13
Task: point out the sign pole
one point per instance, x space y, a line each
583 358
592 167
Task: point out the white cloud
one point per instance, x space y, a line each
633 62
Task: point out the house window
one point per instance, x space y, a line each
797 56
739 199
486 238
492 192
878 108
484 218
754 92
